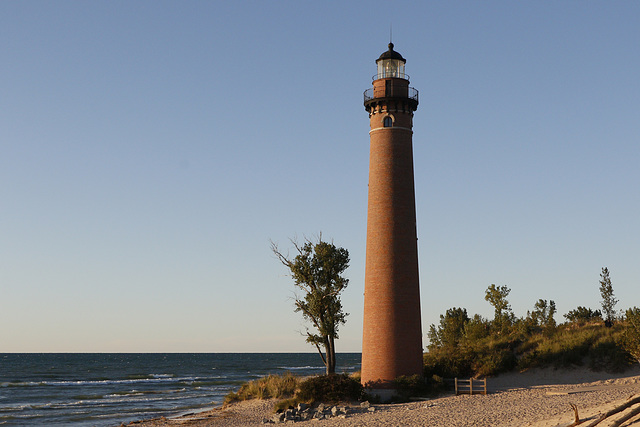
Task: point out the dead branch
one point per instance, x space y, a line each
616 410
577 417
626 417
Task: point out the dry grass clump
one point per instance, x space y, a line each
272 386
291 390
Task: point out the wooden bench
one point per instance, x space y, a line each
470 386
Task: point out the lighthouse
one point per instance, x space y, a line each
392 335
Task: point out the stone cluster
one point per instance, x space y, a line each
304 412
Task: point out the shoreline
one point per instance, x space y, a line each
536 398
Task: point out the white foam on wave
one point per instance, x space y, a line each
296 368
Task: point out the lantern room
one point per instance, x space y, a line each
391 64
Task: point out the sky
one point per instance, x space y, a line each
150 150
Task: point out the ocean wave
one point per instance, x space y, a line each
87 396
16 407
149 376
135 392
152 378
296 368
113 400
107 402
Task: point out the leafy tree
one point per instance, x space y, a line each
608 300
632 332
317 271
542 314
503 316
583 314
451 328
476 328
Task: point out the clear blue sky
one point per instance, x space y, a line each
149 150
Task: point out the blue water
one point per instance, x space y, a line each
110 389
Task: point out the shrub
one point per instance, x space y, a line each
271 386
583 315
418 386
476 328
608 356
488 356
330 388
448 362
285 404
494 362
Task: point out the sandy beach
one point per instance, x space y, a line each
539 398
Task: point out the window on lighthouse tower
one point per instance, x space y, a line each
387 122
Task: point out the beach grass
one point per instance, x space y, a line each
290 389
272 386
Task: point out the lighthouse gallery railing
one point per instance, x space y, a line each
413 94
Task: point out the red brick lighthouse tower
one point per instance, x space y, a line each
392 337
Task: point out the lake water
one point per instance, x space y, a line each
109 389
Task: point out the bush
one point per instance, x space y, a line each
417 386
495 361
413 385
583 315
488 356
476 328
271 386
448 362
608 356
330 389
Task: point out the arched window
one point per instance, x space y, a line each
387 122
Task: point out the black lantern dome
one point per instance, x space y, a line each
391 64
391 54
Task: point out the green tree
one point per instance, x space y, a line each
632 332
451 328
543 313
503 316
608 300
476 328
583 314
317 272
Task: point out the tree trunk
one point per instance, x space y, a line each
333 354
330 355
327 354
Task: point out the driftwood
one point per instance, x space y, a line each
577 417
626 405
627 417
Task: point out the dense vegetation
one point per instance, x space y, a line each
292 389
464 346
